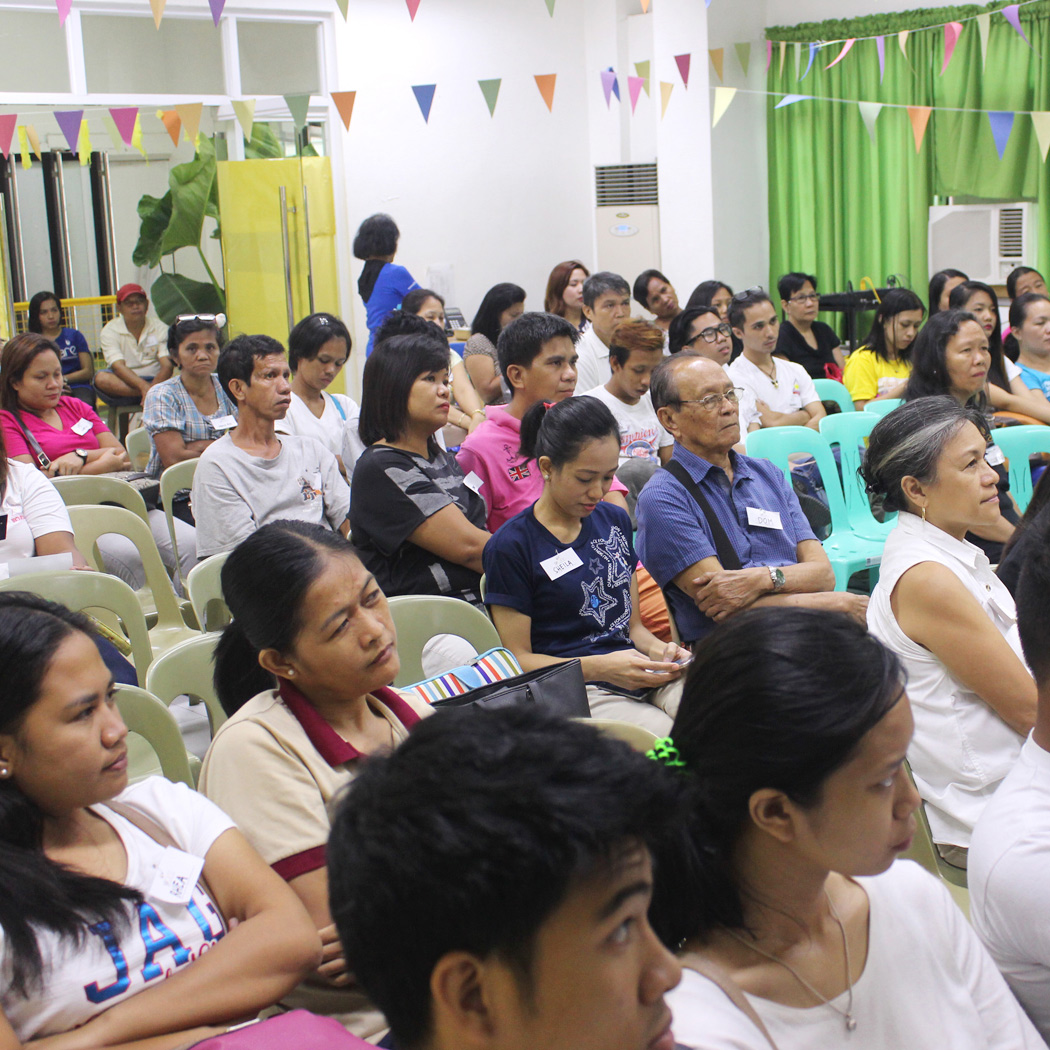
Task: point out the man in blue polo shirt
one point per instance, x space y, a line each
780 560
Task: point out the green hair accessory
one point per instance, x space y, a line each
663 750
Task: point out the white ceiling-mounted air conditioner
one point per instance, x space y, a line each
985 241
627 218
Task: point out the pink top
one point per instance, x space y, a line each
54 442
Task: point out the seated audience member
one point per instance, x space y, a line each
803 339
78 366
942 610
880 368
190 411
1030 327
253 475
1023 280
502 303
1027 536
62 435
551 945
1010 855
416 521
383 283
951 358
781 561
134 346
538 359
560 575
783 392
792 734
318 347
711 293
303 671
941 285
565 291
96 953
606 302
655 293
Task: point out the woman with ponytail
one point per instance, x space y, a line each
792 732
96 948
303 671
561 574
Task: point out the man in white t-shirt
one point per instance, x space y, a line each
606 302
783 391
1009 860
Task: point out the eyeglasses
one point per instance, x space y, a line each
747 293
806 297
219 320
709 335
713 401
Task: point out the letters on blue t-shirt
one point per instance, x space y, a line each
71 345
1034 379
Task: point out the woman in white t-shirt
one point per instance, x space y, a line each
126 914
792 730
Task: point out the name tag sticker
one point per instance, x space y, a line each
560 564
81 427
994 456
223 422
473 482
764 519
176 876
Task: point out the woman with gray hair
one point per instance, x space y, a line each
942 610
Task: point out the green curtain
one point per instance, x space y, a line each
843 206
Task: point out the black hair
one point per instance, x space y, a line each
414 300
929 372
776 698
265 581
743 301
794 282
895 301
704 292
401 322
634 334
391 369
1015 275
961 294
680 327
937 283
180 331
35 305
641 286
909 441
376 236
311 333
1033 599
522 341
470 835
38 893
237 359
498 298
601 282
561 431
1019 307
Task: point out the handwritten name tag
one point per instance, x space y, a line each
226 422
560 564
764 519
473 482
176 876
81 427
994 456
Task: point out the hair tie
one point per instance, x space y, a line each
322 319
548 405
663 750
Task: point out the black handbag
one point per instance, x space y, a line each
558 689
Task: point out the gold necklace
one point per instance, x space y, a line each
847 1014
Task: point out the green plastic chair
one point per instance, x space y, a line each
204 587
175 478
849 432
160 748
87 490
139 448
833 390
419 617
1018 443
848 551
109 599
187 669
883 406
89 523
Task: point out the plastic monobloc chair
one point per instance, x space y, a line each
92 490
848 551
161 740
204 587
175 478
884 406
188 669
1018 443
833 390
849 432
419 617
640 738
139 448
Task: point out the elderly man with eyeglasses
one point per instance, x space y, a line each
720 531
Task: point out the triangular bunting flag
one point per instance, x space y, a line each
1041 121
880 45
69 121
645 6
615 83
7 132
666 87
244 110
790 100
1012 14
951 38
298 106
682 61
769 54
114 135
170 119
919 117
34 140
545 82
869 112
783 52
608 81
216 9
1002 123
344 6
718 56
642 69
634 88
843 53
157 7
902 41
190 115
124 118
813 49
743 56
550 7
23 148
63 10
425 98
723 97
344 103
490 89
798 59
136 138
85 144
984 26
413 7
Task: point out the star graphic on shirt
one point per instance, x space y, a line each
596 602
613 551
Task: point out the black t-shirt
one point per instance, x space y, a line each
1013 561
819 363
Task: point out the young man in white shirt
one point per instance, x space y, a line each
606 302
783 391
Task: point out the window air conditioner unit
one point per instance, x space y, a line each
985 241
627 218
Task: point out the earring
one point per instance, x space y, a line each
291 671
924 514
4 771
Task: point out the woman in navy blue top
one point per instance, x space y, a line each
45 318
382 284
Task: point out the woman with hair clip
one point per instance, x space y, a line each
942 283
785 888
131 916
502 303
78 366
882 365
560 575
565 291
303 671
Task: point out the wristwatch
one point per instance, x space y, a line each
82 453
776 577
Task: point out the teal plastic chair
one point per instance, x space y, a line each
833 390
848 551
188 669
849 432
884 406
1018 443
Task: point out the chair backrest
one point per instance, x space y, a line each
640 738
145 715
139 448
419 617
204 588
99 594
833 390
187 669
177 477
849 431
883 406
87 490
1018 443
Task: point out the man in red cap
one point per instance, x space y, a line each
135 347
